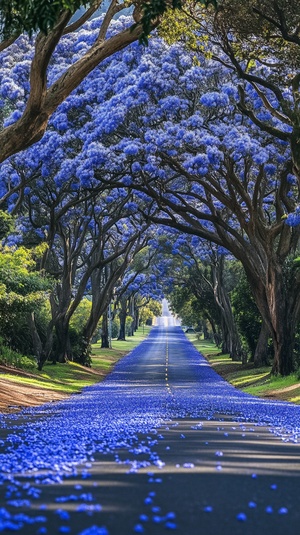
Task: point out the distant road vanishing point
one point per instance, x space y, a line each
167 319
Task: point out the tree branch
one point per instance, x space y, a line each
7 42
268 106
285 136
42 102
84 18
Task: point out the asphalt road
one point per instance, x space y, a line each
163 444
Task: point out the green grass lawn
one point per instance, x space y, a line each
71 377
256 381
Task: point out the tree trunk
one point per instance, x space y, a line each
260 357
231 340
283 341
226 339
205 331
216 335
36 341
63 350
279 306
104 334
122 331
122 317
47 349
136 318
282 320
131 306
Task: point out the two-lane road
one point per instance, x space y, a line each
163 444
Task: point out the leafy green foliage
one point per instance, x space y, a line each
80 353
6 224
22 291
148 311
81 315
115 327
9 357
156 8
17 16
246 313
187 306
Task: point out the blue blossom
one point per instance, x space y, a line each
214 99
12 118
230 90
60 121
292 179
131 149
293 219
136 167
270 169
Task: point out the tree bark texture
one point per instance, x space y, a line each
122 318
104 333
260 357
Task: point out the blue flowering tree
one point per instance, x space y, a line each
171 130
91 233
138 288
177 131
203 278
37 36
38 73
259 41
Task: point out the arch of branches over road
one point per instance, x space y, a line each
207 146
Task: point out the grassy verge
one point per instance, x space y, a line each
70 378
255 381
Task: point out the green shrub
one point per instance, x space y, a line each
128 325
9 357
80 352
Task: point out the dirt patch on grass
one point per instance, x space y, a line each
13 396
286 389
285 394
15 371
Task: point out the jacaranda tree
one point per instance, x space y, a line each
91 233
40 62
175 131
171 128
201 268
47 24
258 41
138 287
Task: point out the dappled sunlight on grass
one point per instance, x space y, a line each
255 381
274 383
243 380
72 377
283 382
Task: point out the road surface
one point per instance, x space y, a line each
163 444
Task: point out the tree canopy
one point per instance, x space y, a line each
197 135
172 131
17 16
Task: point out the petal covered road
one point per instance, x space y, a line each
163 444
